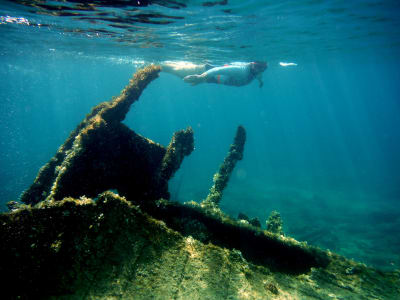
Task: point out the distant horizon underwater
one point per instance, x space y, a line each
323 138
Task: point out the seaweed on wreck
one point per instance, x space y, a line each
258 246
221 178
274 223
110 248
208 223
66 245
102 154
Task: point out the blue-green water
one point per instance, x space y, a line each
323 137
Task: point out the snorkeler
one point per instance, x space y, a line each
234 74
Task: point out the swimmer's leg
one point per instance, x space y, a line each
182 69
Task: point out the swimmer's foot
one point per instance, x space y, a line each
194 79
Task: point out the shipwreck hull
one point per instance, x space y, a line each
111 249
73 239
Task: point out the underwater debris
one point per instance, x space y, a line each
257 246
255 222
244 219
221 178
274 223
14 205
102 154
181 145
243 216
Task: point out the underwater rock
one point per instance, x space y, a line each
102 154
110 248
221 178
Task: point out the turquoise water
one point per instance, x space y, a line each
323 137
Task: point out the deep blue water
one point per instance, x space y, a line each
323 137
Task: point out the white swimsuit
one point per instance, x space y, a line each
236 74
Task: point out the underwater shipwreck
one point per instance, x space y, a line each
98 223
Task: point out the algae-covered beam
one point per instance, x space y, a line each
120 106
221 178
181 145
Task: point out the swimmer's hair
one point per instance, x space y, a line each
259 66
261 63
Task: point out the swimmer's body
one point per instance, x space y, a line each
234 74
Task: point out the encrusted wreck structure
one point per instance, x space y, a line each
102 154
221 178
73 239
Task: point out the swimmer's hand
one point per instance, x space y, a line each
260 81
194 79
